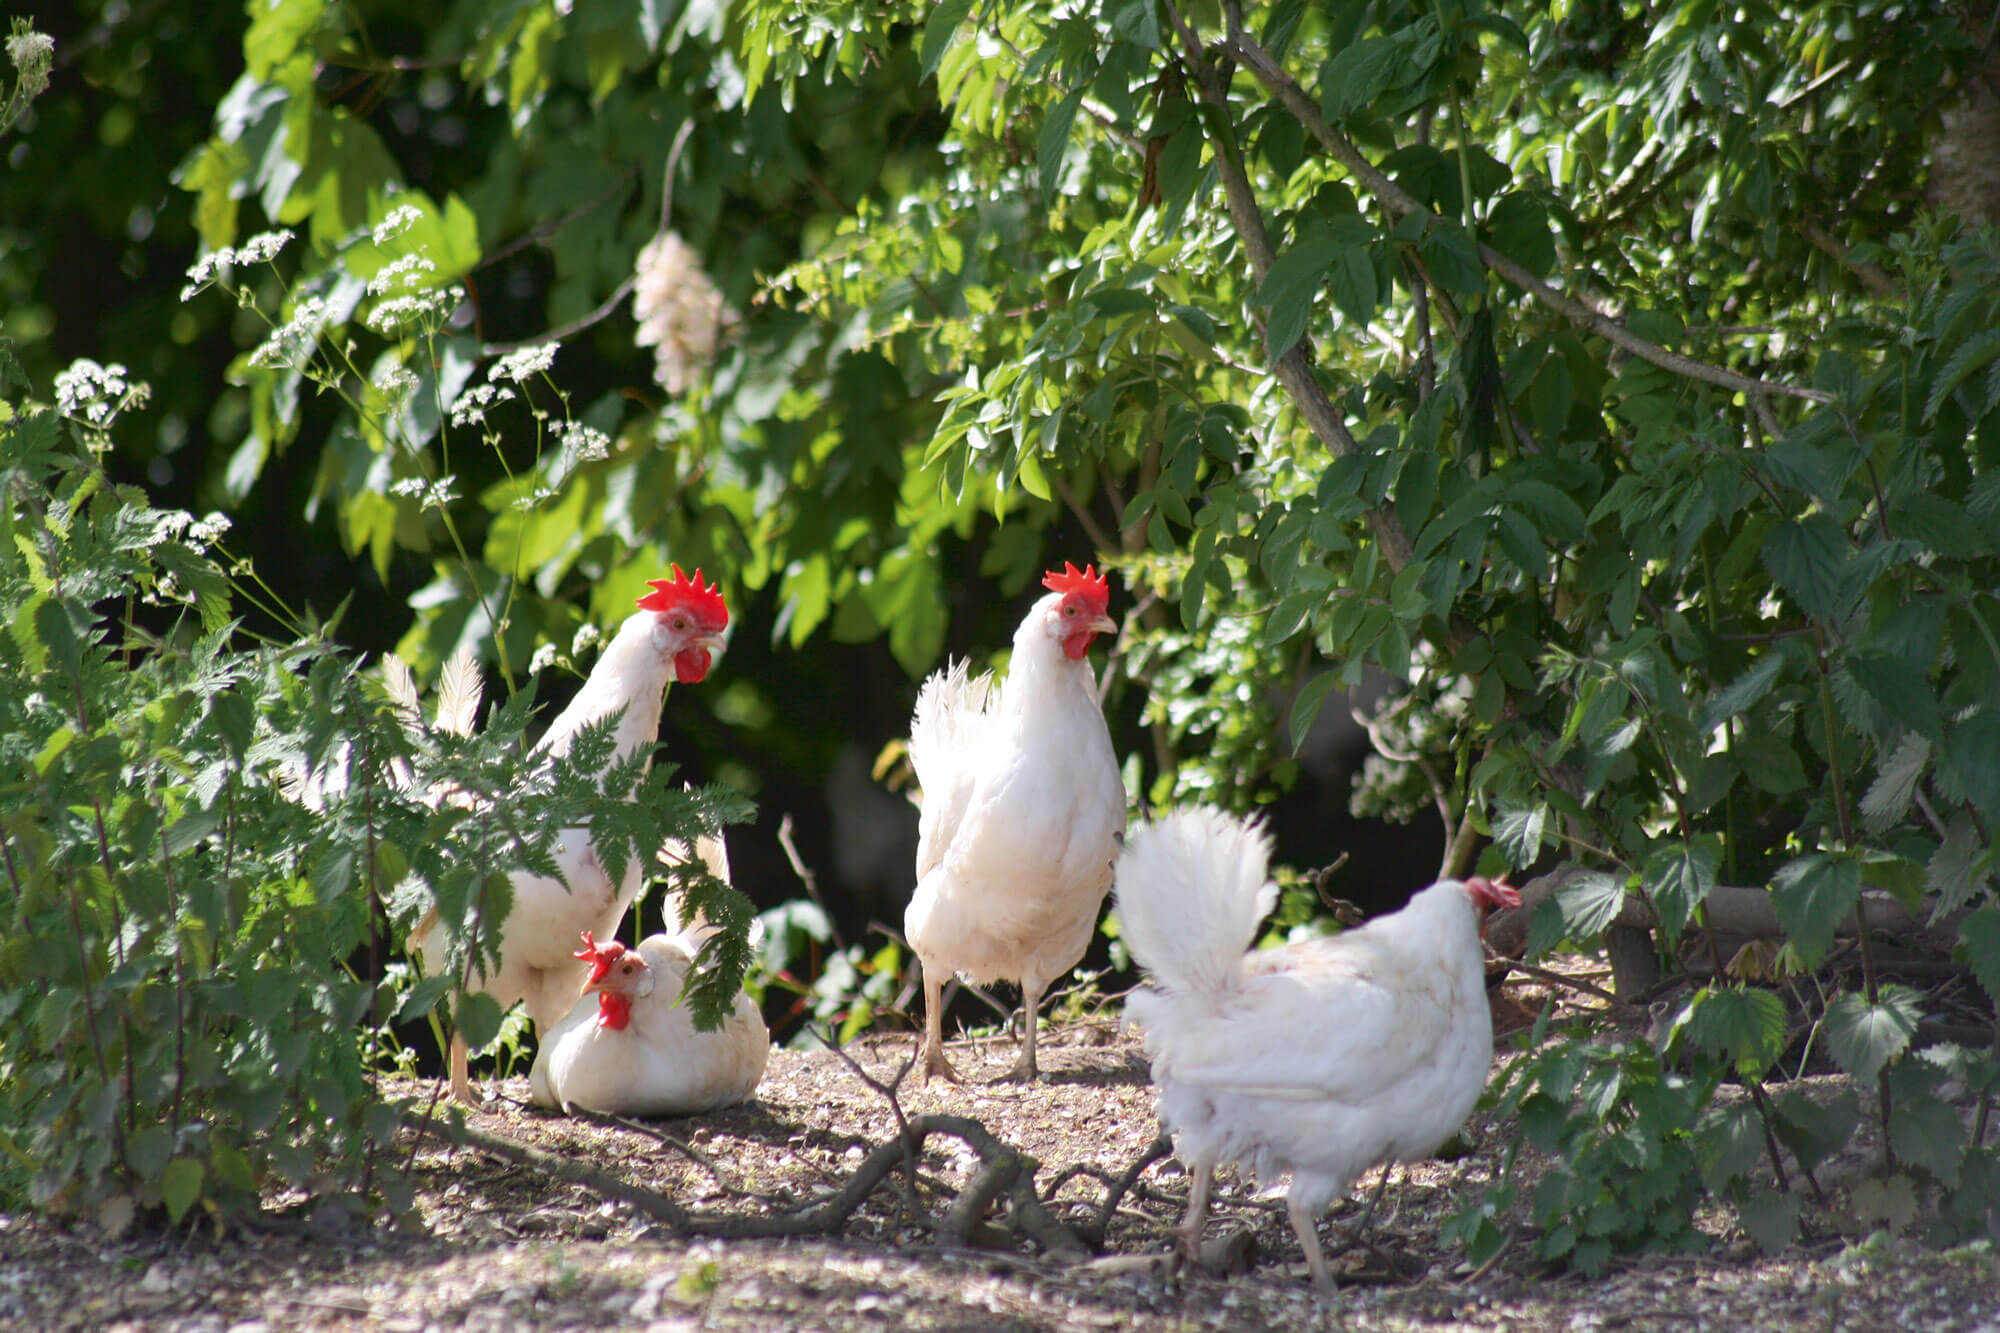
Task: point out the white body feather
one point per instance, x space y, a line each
1321 1058
1023 811
658 1064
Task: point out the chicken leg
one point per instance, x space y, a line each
1303 1228
1023 1069
934 1058
1188 1234
460 1062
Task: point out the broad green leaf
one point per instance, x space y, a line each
1900 688
1742 693
1770 1219
1814 896
1743 1024
1979 947
1863 1037
1728 1141
180 1186
1806 559
1679 878
1589 902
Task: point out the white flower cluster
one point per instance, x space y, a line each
199 535
425 310
409 271
584 444
95 394
259 249
681 314
32 54
292 343
524 364
545 657
397 221
588 636
395 379
470 407
431 494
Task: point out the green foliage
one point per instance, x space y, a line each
212 840
1580 369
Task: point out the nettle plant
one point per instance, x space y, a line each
197 976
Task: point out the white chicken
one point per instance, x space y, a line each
1023 811
1323 1057
636 1051
673 635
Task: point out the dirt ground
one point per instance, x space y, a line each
496 1244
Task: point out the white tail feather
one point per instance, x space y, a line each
950 706
1190 892
459 689
401 687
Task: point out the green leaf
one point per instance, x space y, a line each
1979 948
1770 1219
1806 558
1972 754
1728 1140
1306 705
1290 615
1970 356
1589 902
478 1019
1678 879
1813 896
1900 688
1742 693
180 1186
940 26
1863 1037
1744 1025
1053 144
1518 831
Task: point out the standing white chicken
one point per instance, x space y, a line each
1023 811
675 633
1322 1057
636 1051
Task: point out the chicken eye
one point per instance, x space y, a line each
1069 610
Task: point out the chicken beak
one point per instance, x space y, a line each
1103 625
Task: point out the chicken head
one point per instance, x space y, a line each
1081 614
688 622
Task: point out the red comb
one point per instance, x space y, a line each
706 603
1086 583
599 956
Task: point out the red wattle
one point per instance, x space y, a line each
690 665
614 1011
1077 644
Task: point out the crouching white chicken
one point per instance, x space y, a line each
1323 1057
672 636
635 1049
1023 811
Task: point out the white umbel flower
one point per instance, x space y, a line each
681 314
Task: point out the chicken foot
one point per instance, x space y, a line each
935 1062
1023 1069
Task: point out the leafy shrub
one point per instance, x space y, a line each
196 965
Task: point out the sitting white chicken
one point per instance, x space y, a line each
1023 810
1323 1057
635 1050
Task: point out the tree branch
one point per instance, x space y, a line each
1401 203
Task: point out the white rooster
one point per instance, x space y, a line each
673 635
636 1050
1023 811
1322 1057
